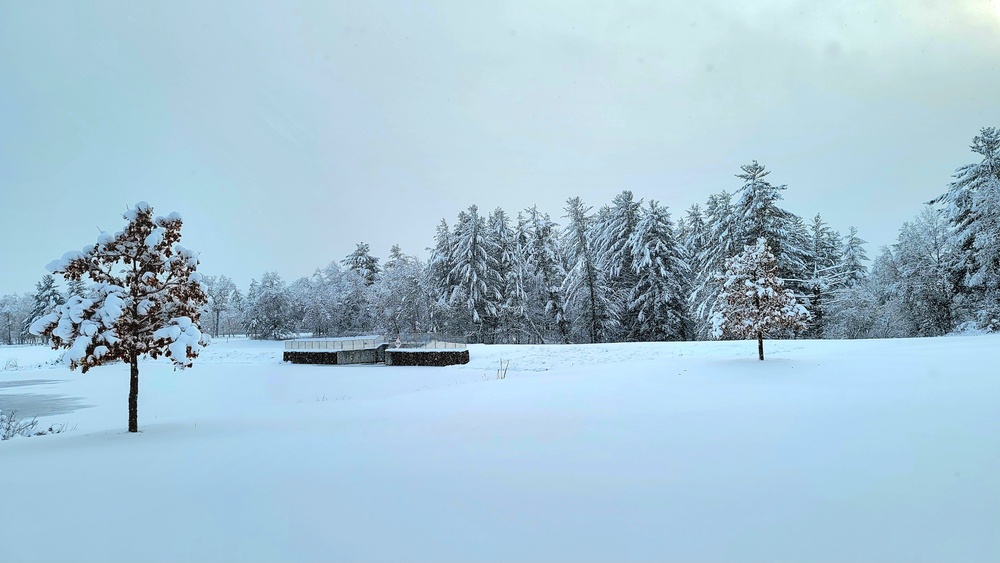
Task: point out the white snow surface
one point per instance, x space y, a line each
884 450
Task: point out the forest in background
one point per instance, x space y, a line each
627 271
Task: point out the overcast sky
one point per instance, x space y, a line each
285 133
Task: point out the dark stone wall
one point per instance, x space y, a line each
403 357
300 357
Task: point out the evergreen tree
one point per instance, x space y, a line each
657 300
972 208
852 258
761 217
721 243
76 288
613 229
753 302
586 286
546 274
362 262
46 300
475 267
823 275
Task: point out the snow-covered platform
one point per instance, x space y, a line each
417 350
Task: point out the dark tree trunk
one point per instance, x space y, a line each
133 396
760 345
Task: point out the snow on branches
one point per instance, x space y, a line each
753 302
145 299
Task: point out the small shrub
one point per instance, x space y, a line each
11 426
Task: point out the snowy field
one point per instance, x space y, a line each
827 451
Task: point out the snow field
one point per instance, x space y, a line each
827 451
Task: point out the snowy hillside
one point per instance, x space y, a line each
828 451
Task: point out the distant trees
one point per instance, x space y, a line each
146 299
753 302
220 292
268 310
628 272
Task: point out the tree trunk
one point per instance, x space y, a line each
133 396
760 345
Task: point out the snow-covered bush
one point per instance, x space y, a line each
11 427
146 300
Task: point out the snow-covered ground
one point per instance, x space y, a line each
827 451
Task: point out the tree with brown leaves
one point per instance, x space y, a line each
753 302
145 300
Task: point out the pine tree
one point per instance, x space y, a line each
47 299
399 299
823 276
657 300
77 288
362 262
146 300
721 243
475 266
503 282
972 207
753 302
853 258
586 286
760 216
613 229
546 301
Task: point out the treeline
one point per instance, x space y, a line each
630 271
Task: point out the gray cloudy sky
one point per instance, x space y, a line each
286 132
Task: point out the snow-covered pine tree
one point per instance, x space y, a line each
441 263
585 285
760 216
475 265
972 207
721 243
853 258
692 235
753 302
505 323
545 272
444 316
77 288
46 300
823 275
399 300
233 319
146 300
658 299
613 228
362 262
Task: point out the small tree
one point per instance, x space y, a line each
145 300
753 302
